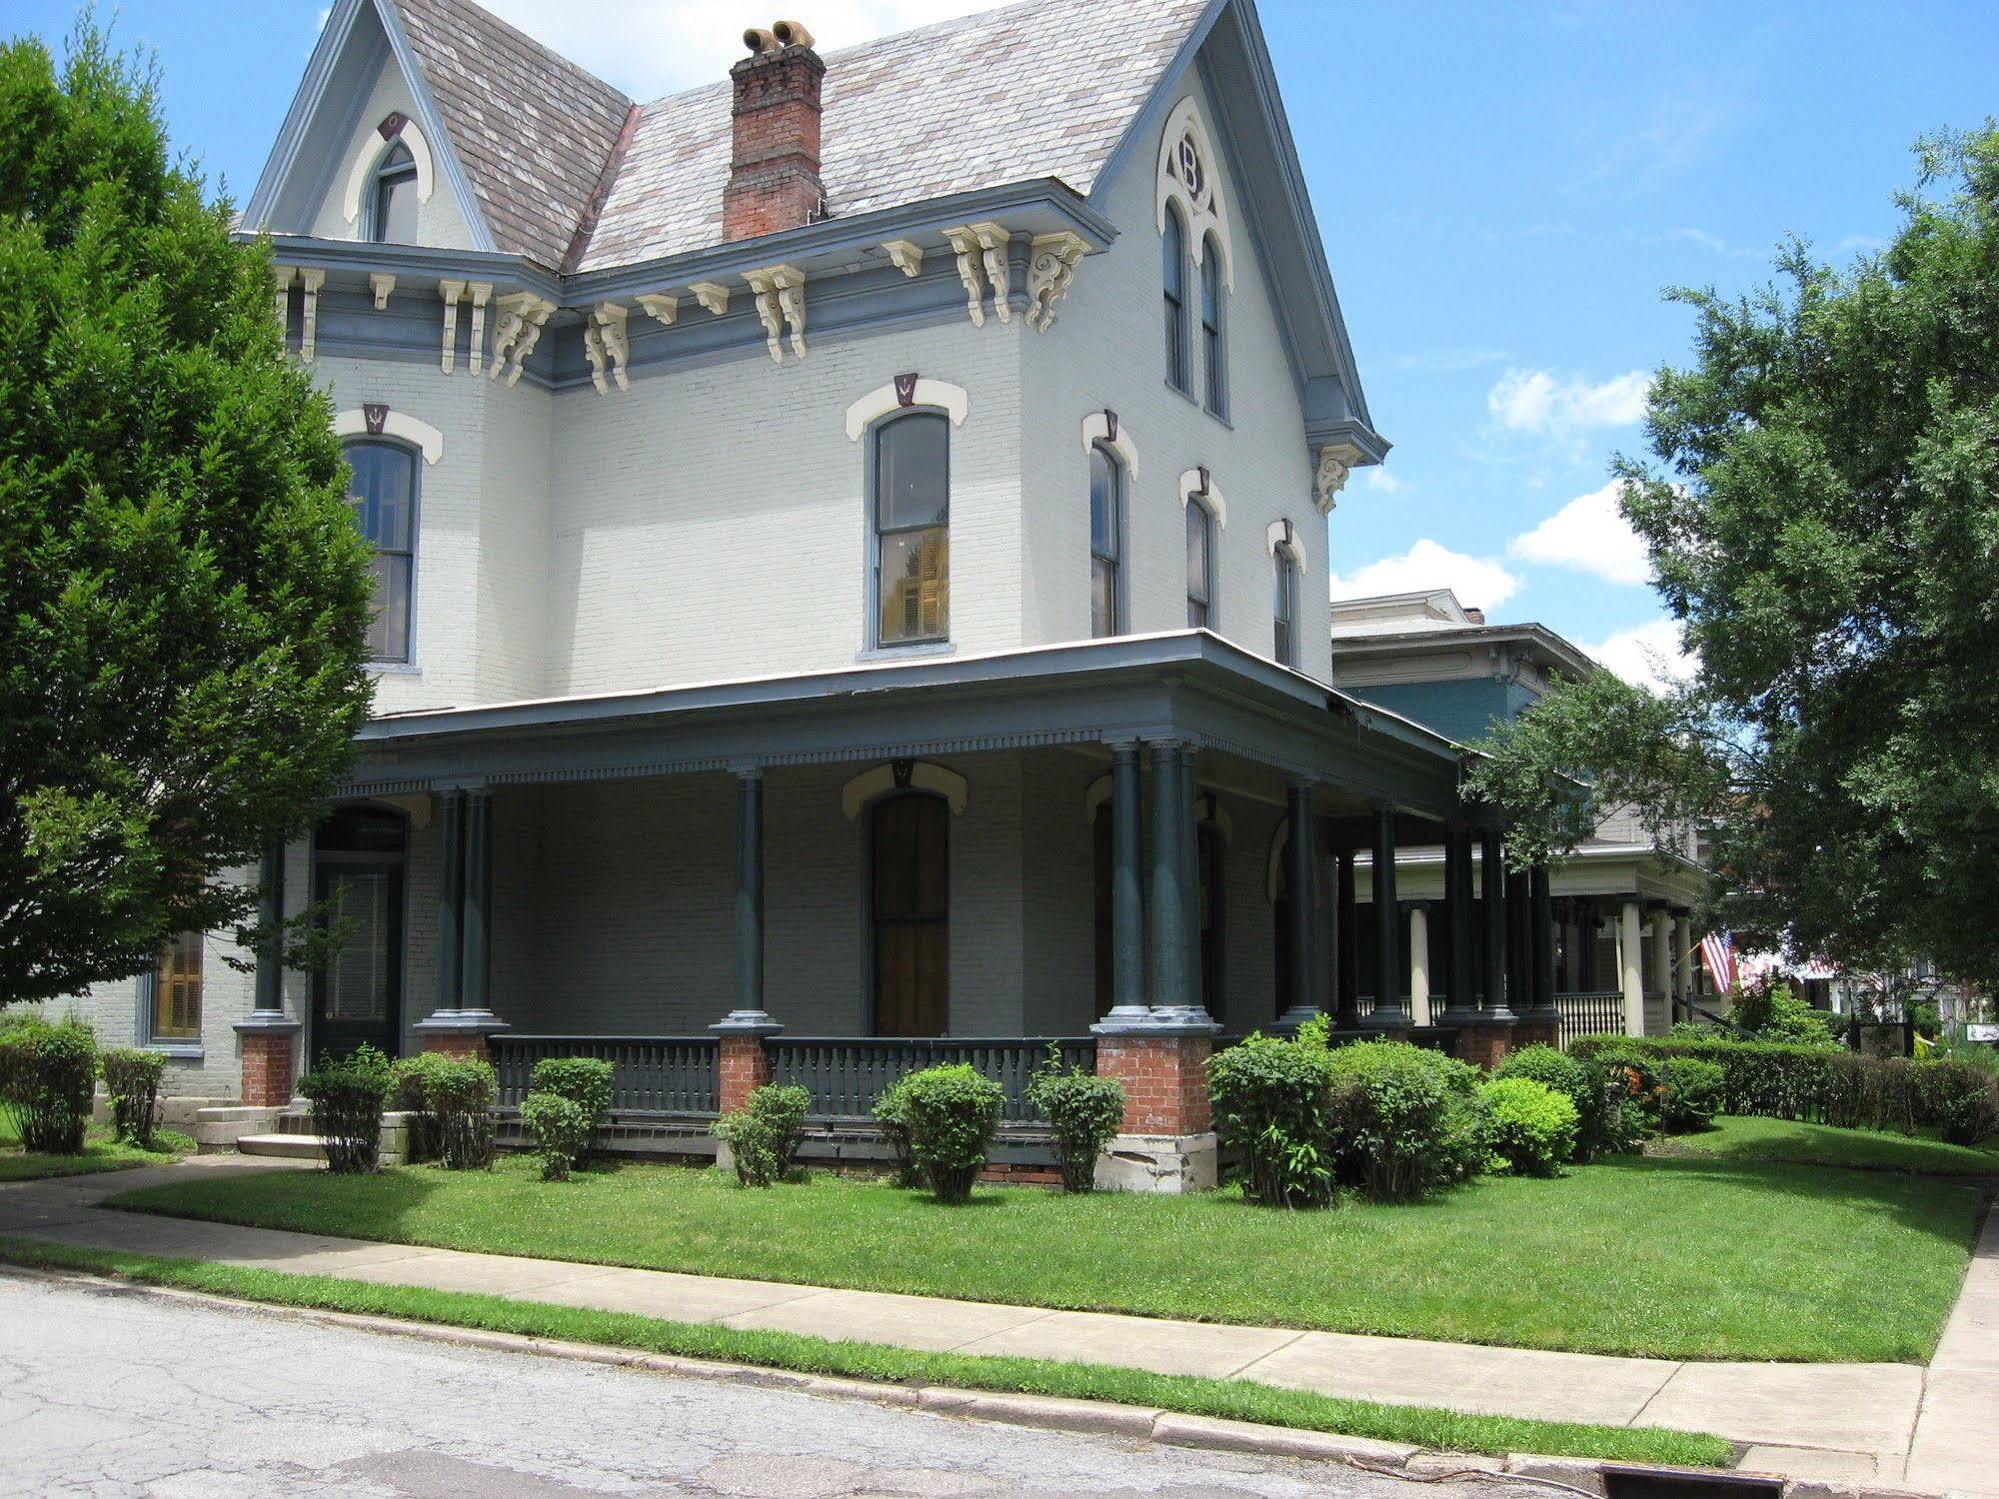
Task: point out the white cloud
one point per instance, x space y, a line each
653 47
1536 401
1378 477
1648 655
1480 582
1590 534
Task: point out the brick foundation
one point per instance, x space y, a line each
1537 1033
1484 1045
742 1066
1165 1082
267 1068
460 1046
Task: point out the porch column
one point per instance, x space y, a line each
750 891
1127 889
1419 963
1492 885
1683 956
1632 962
450 898
268 1035
1542 1021
1301 857
1190 884
1388 1013
1462 1005
1519 964
476 924
1662 957
463 1018
1169 907
1346 933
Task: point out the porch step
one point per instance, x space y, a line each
292 1146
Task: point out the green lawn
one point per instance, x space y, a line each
1678 1258
1821 1145
1232 1399
101 1152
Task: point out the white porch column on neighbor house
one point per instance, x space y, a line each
1683 960
1662 954
1631 956
1419 964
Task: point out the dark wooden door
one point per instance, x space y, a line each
911 909
357 997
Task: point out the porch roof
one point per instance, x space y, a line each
1187 684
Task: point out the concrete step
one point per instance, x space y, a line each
296 1146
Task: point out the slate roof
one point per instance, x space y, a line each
1045 88
533 131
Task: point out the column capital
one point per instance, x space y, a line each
1123 751
746 770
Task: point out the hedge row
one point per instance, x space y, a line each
1819 1085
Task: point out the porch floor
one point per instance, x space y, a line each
1845 1421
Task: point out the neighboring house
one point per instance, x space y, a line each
1626 953
851 560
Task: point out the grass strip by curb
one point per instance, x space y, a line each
1239 1400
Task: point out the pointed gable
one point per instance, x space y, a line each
534 133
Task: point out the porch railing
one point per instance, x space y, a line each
845 1074
1597 1013
649 1074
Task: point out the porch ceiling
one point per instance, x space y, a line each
1189 685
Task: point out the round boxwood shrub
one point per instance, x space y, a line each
347 1094
1598 1097
132 1079
764 1136
461 1095
1414 1123
953 1112
1084 1110
1274 1109
412 1092
584 1081
1689 1094
558 1128
892 1114
48 1075
1533 1125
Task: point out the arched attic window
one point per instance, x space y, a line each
1214 328
1284 604
392 197
1106 542
1173 274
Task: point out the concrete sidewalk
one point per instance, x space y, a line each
1851 1423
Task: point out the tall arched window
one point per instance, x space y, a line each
383 493
1173 271
912 524
910 854
392 198
1214 345
1200 563
1106 538
1284 606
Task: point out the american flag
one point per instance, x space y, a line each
1718 954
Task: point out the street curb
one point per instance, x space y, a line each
1574 1475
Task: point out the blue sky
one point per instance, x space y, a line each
1503 189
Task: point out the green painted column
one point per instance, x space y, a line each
1168 938
476 925
1388 1014
750 891
1127 888
1346 933
450 899
1492 884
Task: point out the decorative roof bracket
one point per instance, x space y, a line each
451 291
604 341
308 335
1051 268
522 316
712 295
482 291
780 294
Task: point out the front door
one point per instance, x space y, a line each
912 908
358 882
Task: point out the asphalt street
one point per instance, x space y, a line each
111 1392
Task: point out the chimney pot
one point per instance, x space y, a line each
774 164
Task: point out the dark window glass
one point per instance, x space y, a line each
392 218
382 492
1106 501
1173 250
1214 352
1284 608
912 508
1200 565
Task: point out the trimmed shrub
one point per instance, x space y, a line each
1085 1111
132 1079
1689 1095
1533 1125
347 1095
1274 1110
1598 1100
413 1091
48 1075
1960 1098
559 1129
763 1137
892 1114
1774 1013
1399 1139
461 1097
952 1112
584 1081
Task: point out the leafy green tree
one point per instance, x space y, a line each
1823 520
184 595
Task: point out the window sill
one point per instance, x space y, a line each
394 668
1199 405
178 1051
904 652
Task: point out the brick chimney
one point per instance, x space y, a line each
774 169
1476 616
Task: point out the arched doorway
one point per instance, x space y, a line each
910 910
358 860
